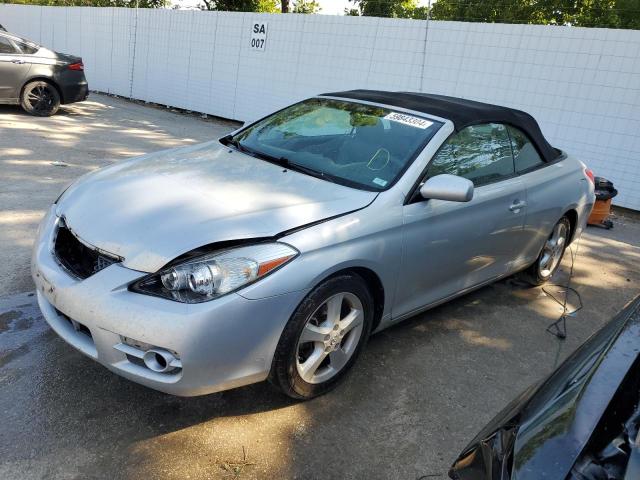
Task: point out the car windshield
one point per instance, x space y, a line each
351 143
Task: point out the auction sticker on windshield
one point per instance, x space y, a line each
409 120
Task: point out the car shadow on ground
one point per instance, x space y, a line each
17 110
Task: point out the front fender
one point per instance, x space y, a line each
367 239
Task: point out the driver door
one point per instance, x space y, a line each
450 247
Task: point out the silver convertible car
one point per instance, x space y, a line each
274 252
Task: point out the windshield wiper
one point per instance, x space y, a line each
286 163
229 140
282 161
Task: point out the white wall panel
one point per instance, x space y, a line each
177 55
24 20
57 20
583 85
226 62
201 62
46 28
87 47
156 33
141 81
121 51
74 31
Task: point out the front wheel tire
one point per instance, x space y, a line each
40 99
323 338
551 255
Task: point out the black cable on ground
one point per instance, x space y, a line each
559 327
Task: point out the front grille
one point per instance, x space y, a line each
76 257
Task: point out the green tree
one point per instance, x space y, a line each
486 11
94 3
628 12
579 13
306 6
385 8
420 13
268 6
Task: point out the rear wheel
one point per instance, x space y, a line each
551 255
323 338
40 98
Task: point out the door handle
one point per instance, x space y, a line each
517 205
17 61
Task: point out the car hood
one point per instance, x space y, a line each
153 208
542 432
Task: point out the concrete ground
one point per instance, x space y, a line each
419 393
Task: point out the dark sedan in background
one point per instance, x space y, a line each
581 423
38 79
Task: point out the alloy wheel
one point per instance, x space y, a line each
41 98
553 250
329 338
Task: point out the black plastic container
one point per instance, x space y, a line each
604 189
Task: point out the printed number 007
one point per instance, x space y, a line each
257 42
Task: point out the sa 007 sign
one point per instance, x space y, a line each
258 35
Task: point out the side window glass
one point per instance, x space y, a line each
524 153
28 49
6 46
481 153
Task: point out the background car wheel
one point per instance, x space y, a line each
323 338
40 98
551 255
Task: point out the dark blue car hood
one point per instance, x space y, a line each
542 433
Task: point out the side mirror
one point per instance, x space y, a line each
448 187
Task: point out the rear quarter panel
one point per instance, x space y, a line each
41 68
552 191
53 67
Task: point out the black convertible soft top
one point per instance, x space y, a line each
460 111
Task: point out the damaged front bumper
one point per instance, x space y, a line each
217 345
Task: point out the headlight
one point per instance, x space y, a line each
216 274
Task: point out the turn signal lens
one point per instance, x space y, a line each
269 265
